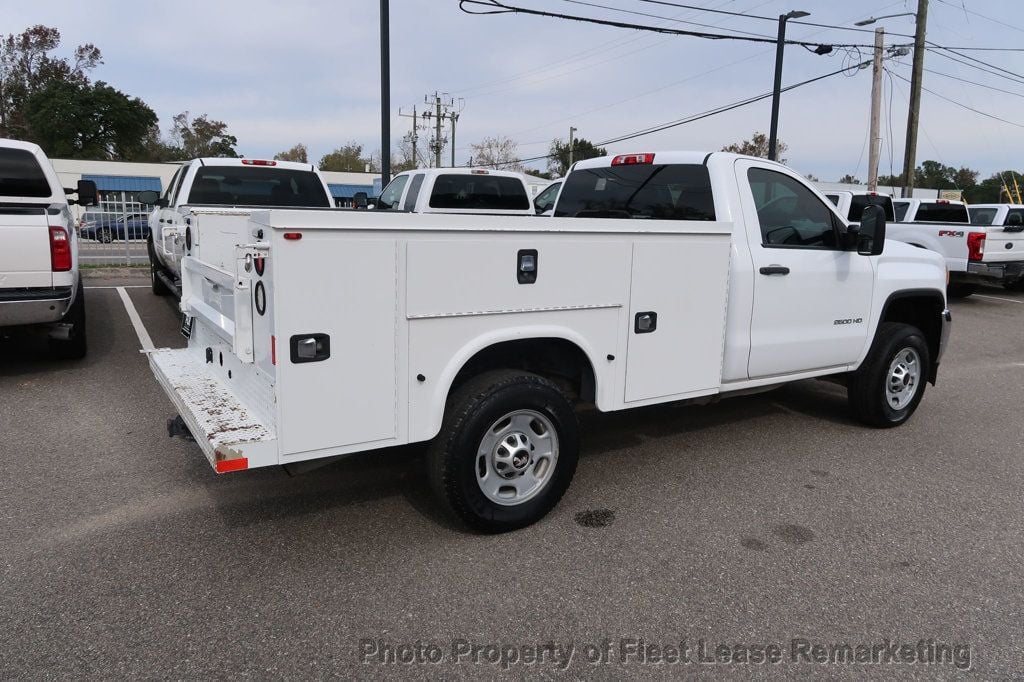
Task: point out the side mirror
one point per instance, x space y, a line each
359 200
871 235
87 193
1014 223
150 198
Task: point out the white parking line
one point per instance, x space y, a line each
133 315
127 286
999 298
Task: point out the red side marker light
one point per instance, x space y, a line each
633 159
293 236
225 466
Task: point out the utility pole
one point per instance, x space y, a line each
385 94
572 133
780 48
875 137
454 116
415 133
438 145
914 114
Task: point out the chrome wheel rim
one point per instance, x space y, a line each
902 379
516 458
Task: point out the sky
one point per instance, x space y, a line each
308 71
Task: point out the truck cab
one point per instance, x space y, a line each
208 202
456 190
851 204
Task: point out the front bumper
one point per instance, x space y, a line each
1004 272
36 305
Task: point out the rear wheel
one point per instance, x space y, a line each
960 290
507 451
889 385
74 347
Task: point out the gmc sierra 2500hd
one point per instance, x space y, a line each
666 276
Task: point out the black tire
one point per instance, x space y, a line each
867 387
1017 285
471 411
104 235
157 284
960 290
75 346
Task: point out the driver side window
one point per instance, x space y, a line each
790 215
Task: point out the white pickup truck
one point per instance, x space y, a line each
40 286
209 200
661 277
456 190
1004 224
975 254
851 204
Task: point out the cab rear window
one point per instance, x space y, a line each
934 212
862 201
651 192
257 186
479 193
21 175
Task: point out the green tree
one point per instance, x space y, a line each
346 158
991 189
200 136
79 121
297 153
27 67
849 180
538 173
558 154
757 145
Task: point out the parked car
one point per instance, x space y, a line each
851 204
456 190
666 276
40 286
1003 224
207 205
107 227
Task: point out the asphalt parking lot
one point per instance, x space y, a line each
755 522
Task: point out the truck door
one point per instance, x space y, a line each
169 231
812 298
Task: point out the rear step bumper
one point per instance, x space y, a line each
231 436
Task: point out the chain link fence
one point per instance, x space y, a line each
114 232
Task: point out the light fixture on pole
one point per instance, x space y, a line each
780 47
871 20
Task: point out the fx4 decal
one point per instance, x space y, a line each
951 233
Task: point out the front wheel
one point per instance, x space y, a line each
889 385
507 451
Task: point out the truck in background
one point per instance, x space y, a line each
208 202
668 276
1003 225
456 190
40 285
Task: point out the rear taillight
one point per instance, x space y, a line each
60 249
633 159
975 245
258 162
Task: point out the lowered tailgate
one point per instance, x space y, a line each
24 247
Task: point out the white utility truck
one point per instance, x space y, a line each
662 277
456 190
215 196
40 286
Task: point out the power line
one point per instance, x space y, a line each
657 16
964 106
979 68
979 14
501 8
980 85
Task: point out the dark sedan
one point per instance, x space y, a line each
107 227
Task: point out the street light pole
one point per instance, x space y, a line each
780 47
385 95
